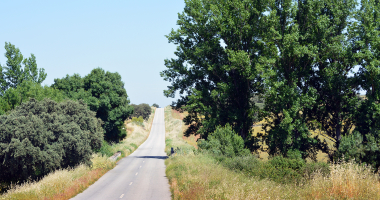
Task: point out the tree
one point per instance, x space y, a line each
155 105
13 74
26 90
143 110
39 137
364 143
216 71
104 94
307 75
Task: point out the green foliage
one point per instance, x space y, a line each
105 94
105 149
364 143
361 148
306 74
216 70
155 105
224 141
138 121
39 137
26 90
142 110
278 168
13 73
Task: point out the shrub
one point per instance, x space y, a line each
361 148
138 121
106 149
278 168
143 110
224 141
39 137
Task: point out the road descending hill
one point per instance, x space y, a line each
138 176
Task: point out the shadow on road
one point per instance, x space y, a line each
154 157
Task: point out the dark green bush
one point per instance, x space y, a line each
39 137
278 169
361 148
143 110
224 141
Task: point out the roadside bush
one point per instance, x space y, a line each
138 121
106 149
278 168
143 110
39 137
224 141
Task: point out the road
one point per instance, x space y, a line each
140 175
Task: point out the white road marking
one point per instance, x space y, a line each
140 166
131 183
121 196
136 174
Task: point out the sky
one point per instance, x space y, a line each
121 36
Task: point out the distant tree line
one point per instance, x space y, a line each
299 57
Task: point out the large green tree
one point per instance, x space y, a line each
105 94
216 70
18 69
364 143
307 76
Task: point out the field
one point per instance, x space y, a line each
66 183
195 175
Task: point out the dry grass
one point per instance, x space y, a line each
66 183
201 177
174 128
347 180
173 118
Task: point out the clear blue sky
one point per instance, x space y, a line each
121 36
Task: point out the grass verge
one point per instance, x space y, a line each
66 183
196 175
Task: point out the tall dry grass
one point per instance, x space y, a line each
66 183
199 176
174 128
347 180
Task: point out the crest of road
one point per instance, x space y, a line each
141 175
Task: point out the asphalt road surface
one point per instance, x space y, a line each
141 175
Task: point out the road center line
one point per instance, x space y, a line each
131 183
136 174
121 196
